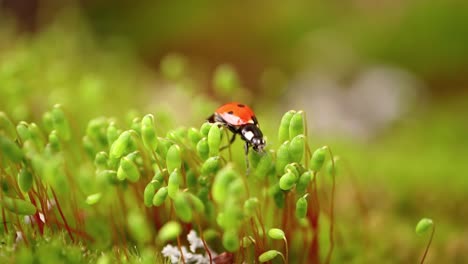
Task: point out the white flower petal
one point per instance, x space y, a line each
195 241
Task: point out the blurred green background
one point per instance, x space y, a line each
384 83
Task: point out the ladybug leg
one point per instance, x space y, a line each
230 142
234 131
246 146
232 139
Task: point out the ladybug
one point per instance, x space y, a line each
240 120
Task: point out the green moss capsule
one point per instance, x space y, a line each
128 170
196 203
247 241
191 179
177 135
148 132
278 195
10 149
211 165
112 133
283 131
203 180
121 175
296 126
23 131
202 149
159 175
163 146
138 227
169 231
282 157
333 167
221 183
268 255
156 184
264 166
233 216
294 168
96 131
303 182
287 181
30 149
301 207
93 198
36 135
317 159
254 158
120 145
173 183
108 176
160 196
204 194
194 135
296 148
205 129
173 158
136 125
180 133
54 141
61 123
7 126
236 188
276 233
89 147
101 159
25 180
182 207
210 234
424 225
250 206
18 206
214 140
231 240
48 121
148 194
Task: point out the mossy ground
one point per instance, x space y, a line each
414 169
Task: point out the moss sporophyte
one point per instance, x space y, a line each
183 178
147 186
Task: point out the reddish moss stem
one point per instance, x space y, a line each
332 214
428 245
180 249
313 214
204 242
62 215
260 219
40 224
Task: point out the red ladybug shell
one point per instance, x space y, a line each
236 114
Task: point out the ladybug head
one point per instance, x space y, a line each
252 134
258 144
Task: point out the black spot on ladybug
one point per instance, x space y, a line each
230 112
241 105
